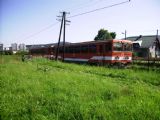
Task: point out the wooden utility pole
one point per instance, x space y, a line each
64 33
57 50
63 25
125 34
156 44
148 59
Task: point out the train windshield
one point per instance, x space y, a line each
119 46
127 47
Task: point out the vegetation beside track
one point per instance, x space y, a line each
42 89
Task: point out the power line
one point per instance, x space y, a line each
86 4
77 6
51 25
44 29
99 9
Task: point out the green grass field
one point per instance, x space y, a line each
47 90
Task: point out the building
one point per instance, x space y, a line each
22 47
1 47
14 47
7 48
144 46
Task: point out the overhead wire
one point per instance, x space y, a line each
51 25
86 4
99 9
75 7
40 31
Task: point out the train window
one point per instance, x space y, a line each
77 49
108 47
101 48
71 50
127 47
92 48
117 46
53 49
44 51
66 49
84 49
41 51
36 51
61 50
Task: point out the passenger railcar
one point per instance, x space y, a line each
98 52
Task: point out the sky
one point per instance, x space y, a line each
34 21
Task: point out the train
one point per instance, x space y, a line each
94 52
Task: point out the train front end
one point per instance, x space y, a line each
122 51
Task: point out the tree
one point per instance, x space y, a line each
104 35
113 34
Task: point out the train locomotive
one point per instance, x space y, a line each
96 52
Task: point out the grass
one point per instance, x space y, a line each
45 90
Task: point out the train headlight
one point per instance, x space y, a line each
126 58
116 58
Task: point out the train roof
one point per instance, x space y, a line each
78 43
101 41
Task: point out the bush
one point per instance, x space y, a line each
8 52
21 53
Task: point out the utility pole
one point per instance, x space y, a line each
125 34
57 50
63 25
64 32
156 44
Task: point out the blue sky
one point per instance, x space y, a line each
21 21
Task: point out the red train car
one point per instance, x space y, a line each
98 52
